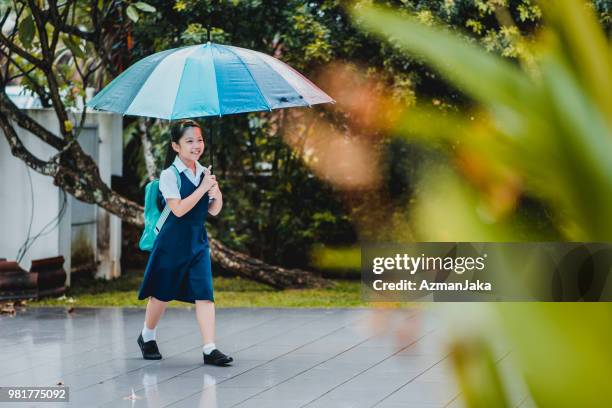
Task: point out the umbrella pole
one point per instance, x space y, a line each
210 124
210 131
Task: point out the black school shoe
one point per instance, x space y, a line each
217 358
149 349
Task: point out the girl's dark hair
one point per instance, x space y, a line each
177 130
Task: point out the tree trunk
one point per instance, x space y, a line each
147 148
257 270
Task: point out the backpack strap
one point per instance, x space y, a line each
166 211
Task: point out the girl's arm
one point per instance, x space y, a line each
181 207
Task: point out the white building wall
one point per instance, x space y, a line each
17 206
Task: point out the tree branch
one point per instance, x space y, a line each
56 30
20 151
255 269
48 55
143 129
37 87
60 24
29 57
6 16
8 110
42 34
78 174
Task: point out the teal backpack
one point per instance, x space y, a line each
154 219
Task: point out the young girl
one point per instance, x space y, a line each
179 265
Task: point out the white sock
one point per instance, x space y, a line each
208 347
148 334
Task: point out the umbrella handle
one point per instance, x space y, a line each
207 172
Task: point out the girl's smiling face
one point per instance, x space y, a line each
191 145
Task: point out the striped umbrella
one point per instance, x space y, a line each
206 80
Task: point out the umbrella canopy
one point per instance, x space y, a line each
206 80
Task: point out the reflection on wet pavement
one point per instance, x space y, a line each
282 358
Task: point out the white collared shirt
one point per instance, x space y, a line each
168 185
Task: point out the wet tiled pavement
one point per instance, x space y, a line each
282 358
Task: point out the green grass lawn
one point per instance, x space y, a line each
229 292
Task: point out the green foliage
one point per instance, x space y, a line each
543 129
27 31
549 125
281 209
474 363
273 207
133 10
271 217
73 43
132 13
195 33
73 57
147 8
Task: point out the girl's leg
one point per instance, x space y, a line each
155 310
205 313
146 340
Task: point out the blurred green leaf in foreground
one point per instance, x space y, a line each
548 127
540 127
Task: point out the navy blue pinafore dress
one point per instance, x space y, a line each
179 265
